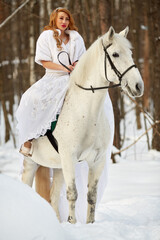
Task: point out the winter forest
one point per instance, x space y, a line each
130 206
18 70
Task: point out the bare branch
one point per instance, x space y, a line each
146 114
14 13
152 126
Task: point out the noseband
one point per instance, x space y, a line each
113 67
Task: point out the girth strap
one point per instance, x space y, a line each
52 139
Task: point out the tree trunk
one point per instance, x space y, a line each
155 45
136 5
32 78
146 65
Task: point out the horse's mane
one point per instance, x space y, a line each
91 56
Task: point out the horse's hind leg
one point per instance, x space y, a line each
42 182
58 181
29 170
93 178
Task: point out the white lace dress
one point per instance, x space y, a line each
40 104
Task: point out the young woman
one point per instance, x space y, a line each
41 103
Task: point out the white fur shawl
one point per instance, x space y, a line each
47 50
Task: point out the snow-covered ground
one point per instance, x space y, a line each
25 215
129 210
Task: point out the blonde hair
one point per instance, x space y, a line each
52 24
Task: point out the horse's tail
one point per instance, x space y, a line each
42 182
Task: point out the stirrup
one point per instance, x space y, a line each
27 152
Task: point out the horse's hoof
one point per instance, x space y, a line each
71 220
90 221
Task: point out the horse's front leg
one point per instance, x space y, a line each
69 176
29 171
93 178
72 197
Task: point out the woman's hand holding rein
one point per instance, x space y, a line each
70 67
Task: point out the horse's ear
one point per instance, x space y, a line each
124 32
108 37
111 33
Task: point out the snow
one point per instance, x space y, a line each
25 215
129 210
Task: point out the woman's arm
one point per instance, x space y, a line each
55 66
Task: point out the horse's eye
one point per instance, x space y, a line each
115 54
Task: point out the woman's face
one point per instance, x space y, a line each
62 21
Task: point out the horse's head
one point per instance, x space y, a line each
118 63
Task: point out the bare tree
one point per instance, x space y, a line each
154 29
93 17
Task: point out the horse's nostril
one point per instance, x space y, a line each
138 87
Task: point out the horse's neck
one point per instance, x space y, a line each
87 71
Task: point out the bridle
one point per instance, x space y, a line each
113 67
119 75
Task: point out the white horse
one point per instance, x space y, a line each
82 131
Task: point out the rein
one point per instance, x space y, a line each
119 75
69 60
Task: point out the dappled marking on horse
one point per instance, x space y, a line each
82 131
